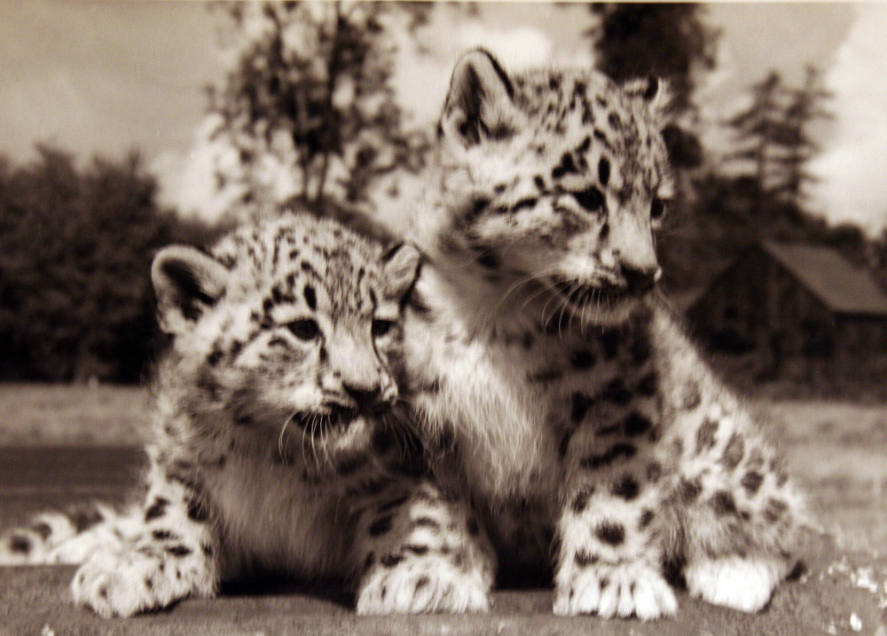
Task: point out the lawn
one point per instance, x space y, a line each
838 451
61 414
835 449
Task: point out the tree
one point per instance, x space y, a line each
773 133
805 105
758 129
309 101
75 252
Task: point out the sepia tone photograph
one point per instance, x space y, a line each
334 317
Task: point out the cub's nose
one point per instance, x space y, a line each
640 279
365 396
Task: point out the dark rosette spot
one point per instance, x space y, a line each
610 532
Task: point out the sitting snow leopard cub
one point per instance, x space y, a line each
559 390
275 445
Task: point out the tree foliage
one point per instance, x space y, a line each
773 135
757 127
75 251
805 105
309 99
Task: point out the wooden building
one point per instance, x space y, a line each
795 304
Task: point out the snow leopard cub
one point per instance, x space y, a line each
277 443
562 395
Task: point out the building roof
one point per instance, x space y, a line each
841 286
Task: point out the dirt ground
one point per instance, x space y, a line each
826 601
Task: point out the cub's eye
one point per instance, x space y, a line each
591 199
381 327
657 209
304 329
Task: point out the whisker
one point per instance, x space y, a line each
560 321
302 443
539 292
314 424
327 459
558 304
538 276
322 431
281 443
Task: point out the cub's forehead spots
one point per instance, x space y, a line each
584 105
346 284
314 265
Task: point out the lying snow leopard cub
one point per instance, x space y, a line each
559 390
276 446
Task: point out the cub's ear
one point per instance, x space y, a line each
654 92
186 282
401 265
479 102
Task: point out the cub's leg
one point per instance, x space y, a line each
419 551
734 514
172 557
609 557
739 511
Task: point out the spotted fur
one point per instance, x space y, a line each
550 376
277 442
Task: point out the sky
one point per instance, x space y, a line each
852 165
104 77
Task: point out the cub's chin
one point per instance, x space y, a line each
607 316
323 440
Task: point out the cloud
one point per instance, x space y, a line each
421 76
190 183
851 166
716 102
188 180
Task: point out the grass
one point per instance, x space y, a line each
835 449
58 414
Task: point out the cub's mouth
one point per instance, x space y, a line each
330 418
582 295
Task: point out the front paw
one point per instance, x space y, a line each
125 582
740 583
609 590
401 585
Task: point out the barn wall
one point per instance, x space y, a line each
756 304
862 340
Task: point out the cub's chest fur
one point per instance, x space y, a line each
511 395
483 381
272 519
